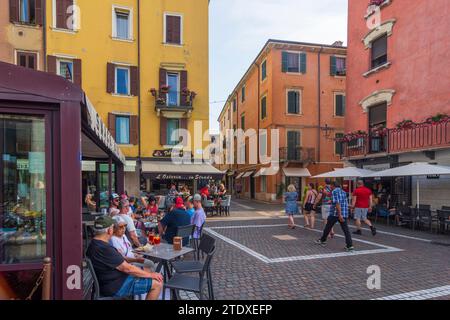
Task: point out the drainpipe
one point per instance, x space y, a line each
258 108
44 34
139 84
319 103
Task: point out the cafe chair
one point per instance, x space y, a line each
443 217
196 241
425 219
186 232
91 287
181 281
445 208
225 206
209 206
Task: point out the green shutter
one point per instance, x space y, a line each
284 67
333 65
303 62
263 108
344 105
340 105
293 102
263 71
339 149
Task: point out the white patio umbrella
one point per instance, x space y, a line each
416 169
351 172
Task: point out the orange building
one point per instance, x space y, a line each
398 91
299 89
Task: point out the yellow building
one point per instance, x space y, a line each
118 50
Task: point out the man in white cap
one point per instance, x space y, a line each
120 241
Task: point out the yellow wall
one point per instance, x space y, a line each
93 44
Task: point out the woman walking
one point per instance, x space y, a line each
291 198
308 204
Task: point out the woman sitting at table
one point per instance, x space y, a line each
152 207
204 192
222 192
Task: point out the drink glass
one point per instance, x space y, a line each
157 240
151 238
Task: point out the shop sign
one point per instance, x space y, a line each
22 164
102 132
433 177
168 153
166 176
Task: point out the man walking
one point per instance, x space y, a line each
339 213
362 204
326 197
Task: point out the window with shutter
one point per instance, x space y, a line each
77 72
243 94
122 128
172 129
163 131
110 77
173 29
263 108
14 11
122 24
303 63
333 65
26 11
379 51
65 69
112 124
339 109
134 130
64 14
243 122
51 64
122 80
263 71
134 78
339 145
293 145
184 86
234 105
293 102
27 59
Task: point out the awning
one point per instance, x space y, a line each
269 171
165 170
240 175
247 174
296 172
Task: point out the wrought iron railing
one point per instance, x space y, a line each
174 99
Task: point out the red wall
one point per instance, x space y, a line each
419 50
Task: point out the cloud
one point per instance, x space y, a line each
239 29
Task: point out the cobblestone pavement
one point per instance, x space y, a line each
258 257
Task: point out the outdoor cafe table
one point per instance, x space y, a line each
164 253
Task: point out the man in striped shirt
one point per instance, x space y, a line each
339 213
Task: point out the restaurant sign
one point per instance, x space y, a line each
181 176
168 153
102 132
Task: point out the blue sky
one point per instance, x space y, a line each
240 28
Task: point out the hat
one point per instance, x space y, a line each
114 196
103 222
179 203
197 197
118 220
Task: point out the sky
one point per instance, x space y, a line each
240 28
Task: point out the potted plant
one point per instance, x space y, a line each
439 118
160 101
185 92
165 89
376 2
379 131
153 92
405 124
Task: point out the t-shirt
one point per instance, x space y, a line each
123 245
105 259
362 195
113 211
198 219
174 219
191 212
327 196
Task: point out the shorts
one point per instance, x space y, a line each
361 213
326 209
134 286
309 207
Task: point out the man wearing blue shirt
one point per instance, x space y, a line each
339 213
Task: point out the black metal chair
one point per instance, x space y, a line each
181 281
196 241
445 208
424 207
425 219
443 217
406 216
186 232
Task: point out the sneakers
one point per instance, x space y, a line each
358 232
374 231
322 243
349 249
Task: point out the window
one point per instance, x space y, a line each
294 62
173 83
339 145
338 66
243 122
23 188
172 126
293 145
264 70
173 29
339 105
234 105
243 94
123 129
65 69
263 184
27 60
27 10
263 143
264 108
64 14
122 81
293 102
122 24
379 51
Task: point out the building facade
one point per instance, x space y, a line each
144 65
398 92
298 89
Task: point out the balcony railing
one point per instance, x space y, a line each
173 99
426 136
298 154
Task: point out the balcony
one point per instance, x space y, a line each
299 154
174 102
421 137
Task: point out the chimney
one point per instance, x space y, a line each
338 44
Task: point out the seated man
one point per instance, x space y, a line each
178 217
116 277
120 241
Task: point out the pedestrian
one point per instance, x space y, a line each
291 198
362 205
326 197
339 213
308 205
238 188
